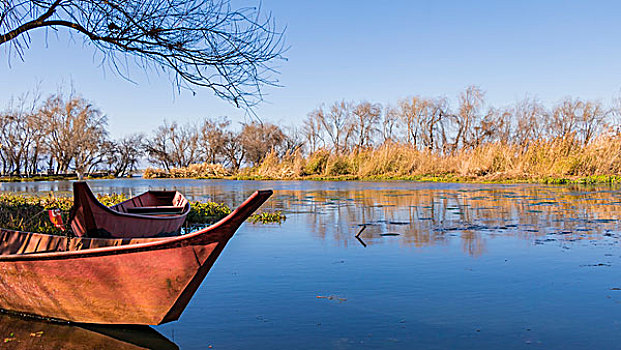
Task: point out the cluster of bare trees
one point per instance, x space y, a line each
431 124
67 134
60 135
63 135
213 140
342 126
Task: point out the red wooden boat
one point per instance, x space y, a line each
145 281
150 214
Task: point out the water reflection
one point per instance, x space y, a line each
407 213
424 217
22 333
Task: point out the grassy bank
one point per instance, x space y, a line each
49 178
556 162
35 178
29 213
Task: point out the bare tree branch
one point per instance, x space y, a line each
202 43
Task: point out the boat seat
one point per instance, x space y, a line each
160 209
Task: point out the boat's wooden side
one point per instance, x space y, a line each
141 281
129 219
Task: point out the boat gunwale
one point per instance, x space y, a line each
158 244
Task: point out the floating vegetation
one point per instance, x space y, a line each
29 213
268 217
332 297
207 212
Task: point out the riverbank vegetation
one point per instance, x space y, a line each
30 213
419 138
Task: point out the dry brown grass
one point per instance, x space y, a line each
202 170
494 161
556 159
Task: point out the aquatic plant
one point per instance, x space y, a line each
29 213
207 212
267 217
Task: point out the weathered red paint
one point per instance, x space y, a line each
111 281
149 214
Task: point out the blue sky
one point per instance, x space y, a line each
364 50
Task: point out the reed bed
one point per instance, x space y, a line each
201 170
542 161
558 160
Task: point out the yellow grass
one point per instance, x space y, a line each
539 161
202 170
494 161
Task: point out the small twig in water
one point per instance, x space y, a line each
362 229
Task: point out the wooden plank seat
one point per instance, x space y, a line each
159 209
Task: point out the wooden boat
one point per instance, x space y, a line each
146 281
17 333
150 214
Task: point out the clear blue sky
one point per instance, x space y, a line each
375 50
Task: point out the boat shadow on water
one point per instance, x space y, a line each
26 333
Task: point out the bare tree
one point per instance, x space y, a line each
123 155
212 138
412 111
313 132
258 139
21 136
615 114
158 149
337 124
366 120
470 104
173 145
77 131
294 139
233 150
390 124
591 120
432 123
531 118
495 126
201 42
564 119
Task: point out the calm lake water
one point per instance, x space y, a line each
437 266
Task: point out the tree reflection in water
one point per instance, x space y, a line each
426 217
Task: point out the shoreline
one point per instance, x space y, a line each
447 178
549 180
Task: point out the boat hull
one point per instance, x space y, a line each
146 282
134 288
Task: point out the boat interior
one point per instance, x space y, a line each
22 243
155 203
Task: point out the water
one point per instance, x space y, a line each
437 266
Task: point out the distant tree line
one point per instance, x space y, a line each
430 123
213 140
58 134
64 134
